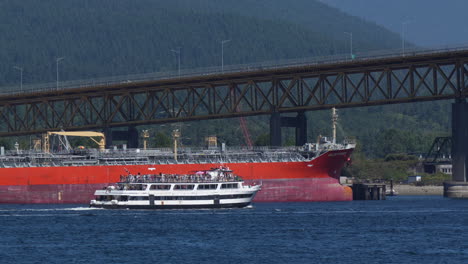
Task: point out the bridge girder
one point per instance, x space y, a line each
291 89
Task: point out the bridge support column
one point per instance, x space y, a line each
299 122
275 129
301 129
130 136
458 187
132 140
108 134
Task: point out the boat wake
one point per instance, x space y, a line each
49 209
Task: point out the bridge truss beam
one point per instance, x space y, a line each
291 89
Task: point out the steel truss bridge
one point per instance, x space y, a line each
369 81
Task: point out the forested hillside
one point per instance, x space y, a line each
119 37
114 37
429 23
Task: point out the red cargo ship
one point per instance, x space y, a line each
294 174
285 175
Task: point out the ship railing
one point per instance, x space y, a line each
162 156
188 151
183 152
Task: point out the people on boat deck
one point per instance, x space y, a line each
200 176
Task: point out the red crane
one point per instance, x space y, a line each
245 131
243 125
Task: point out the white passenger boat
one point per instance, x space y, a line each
216 188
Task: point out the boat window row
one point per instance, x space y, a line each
122 198
133 187
184 187
207 186
166 198
203 197
136 198
160 187
229 186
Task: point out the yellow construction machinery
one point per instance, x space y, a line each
101 143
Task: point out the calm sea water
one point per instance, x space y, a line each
404 229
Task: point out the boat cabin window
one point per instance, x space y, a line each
160 187
138 198
184 187
138 187
207 186
229 186
105 198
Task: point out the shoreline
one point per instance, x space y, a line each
403 189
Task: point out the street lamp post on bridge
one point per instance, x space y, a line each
350 44
57 60
178 59
403 24
222 53
21 77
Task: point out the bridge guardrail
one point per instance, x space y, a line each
215 70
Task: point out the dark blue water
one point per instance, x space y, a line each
401 229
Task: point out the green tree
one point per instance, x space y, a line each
161 140
391 141
263 140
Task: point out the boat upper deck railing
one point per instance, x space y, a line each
179 178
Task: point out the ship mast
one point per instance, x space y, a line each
145 138
175 136
334 121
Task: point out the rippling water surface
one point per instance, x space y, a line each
403 229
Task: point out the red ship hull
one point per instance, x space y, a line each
315 180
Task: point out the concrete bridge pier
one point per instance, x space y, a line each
277 122
458 187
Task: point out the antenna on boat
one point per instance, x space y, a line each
334 121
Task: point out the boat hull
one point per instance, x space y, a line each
161 207
316 180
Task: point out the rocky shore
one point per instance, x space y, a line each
405 189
